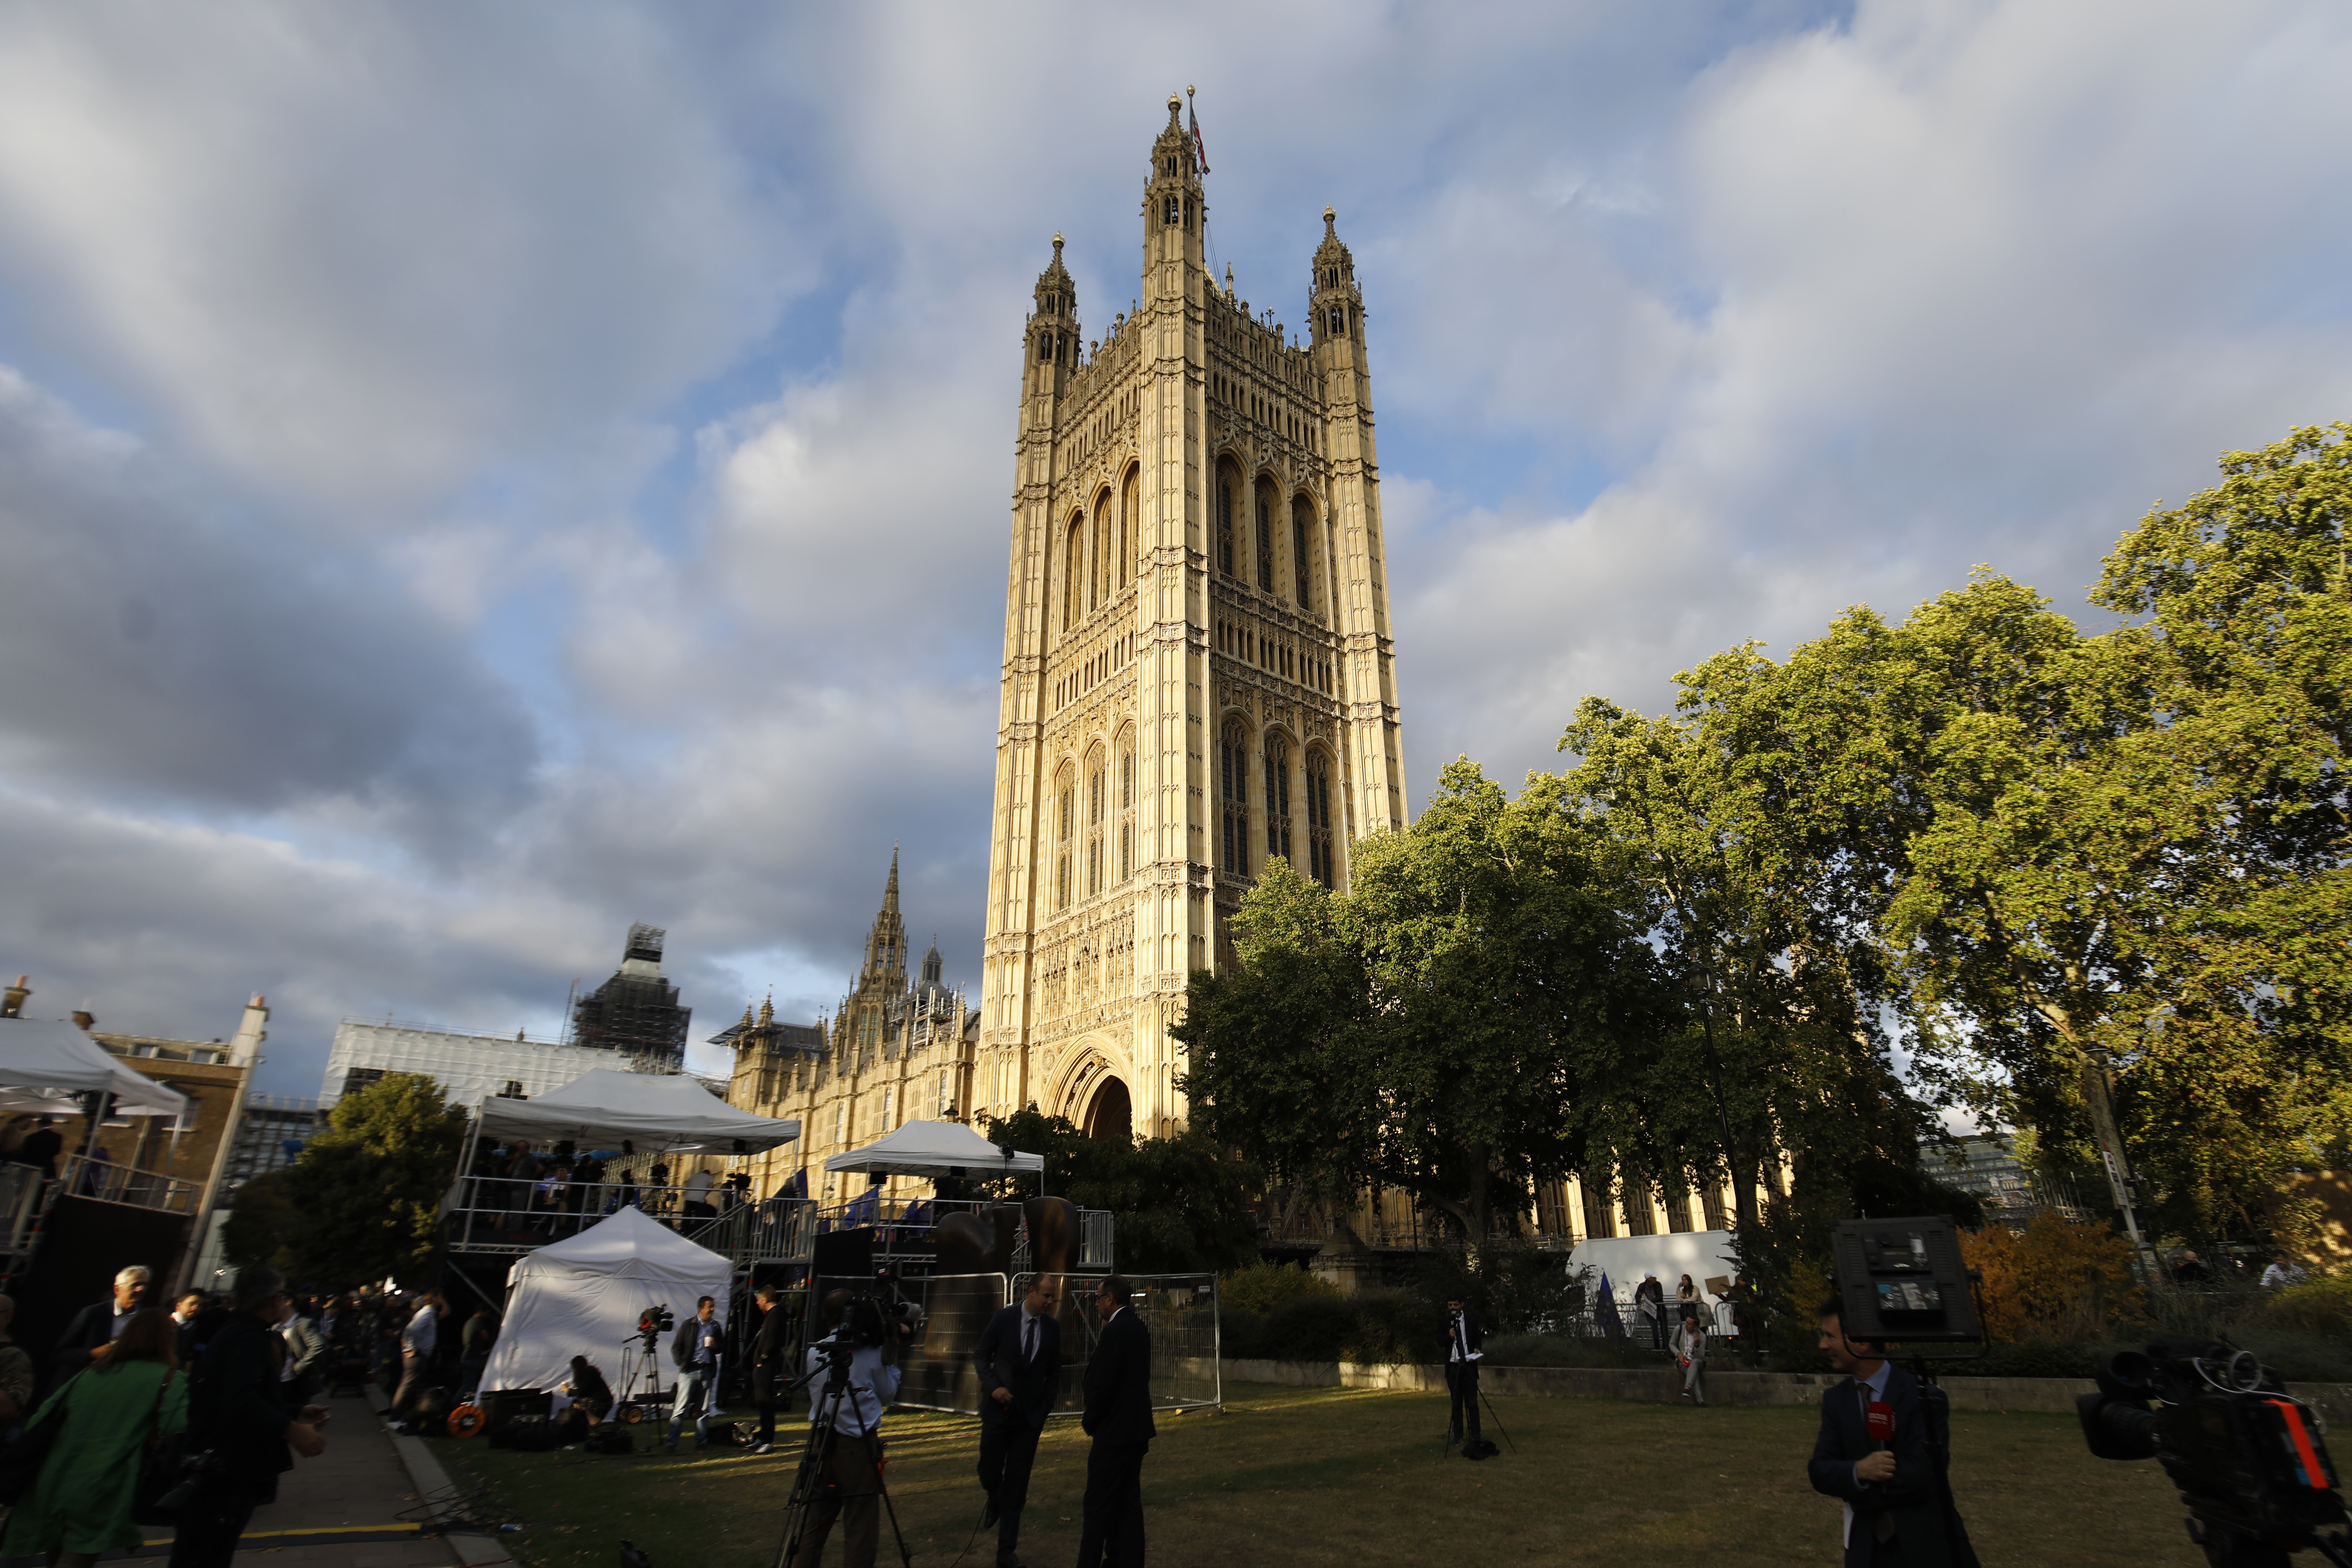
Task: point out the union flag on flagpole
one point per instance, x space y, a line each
1200 149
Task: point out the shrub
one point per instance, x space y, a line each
1567 1350
1267 1287
1311 1327
1396 1326
2320 1309
2060 1279
1241 1333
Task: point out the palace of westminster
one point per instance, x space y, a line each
1198 677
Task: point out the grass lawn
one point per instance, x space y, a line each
1353 1478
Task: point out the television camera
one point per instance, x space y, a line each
654 1322
2249 1458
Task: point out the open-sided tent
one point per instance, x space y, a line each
582 1296
44 1062
938 1149
655 1110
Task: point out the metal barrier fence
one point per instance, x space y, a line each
502 1215
1180 1310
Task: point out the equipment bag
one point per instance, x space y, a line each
609 1438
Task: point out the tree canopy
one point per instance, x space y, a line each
1178 1205
364 1193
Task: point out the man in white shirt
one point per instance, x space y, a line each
417 1342
855 1466
2283 1270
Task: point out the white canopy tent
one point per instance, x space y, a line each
937 1150
582 1296
658 1111
44 1062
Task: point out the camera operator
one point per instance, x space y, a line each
1020 1359
1464 1349
1873 1455
853 1489
695 1351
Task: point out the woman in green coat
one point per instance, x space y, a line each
80 1507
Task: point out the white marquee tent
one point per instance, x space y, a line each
44 1062
582 1295
663 1111
937 1149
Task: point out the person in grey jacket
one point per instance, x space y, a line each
695 1351
1690 1349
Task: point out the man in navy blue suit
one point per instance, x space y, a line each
1020 1358
1118 1416
1888 1479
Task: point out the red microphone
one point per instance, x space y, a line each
1881 1422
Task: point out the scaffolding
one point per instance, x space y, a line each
636 1012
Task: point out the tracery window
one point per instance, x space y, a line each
1130 561
1098 786
1224 522
1266 537
1232 794
1277 798
1302 571
1319 860
1074 571
1067 807
1102 584
1127 812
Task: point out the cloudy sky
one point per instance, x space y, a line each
471 478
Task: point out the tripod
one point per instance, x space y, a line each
645 1365
815 1477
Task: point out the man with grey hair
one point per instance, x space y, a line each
16 1372
241 1410
99 1323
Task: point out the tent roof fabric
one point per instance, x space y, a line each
581 1296
657 1110
48 1060
935 1149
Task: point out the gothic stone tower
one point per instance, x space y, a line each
1198 670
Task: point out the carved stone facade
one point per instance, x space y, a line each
891 1053
1198 674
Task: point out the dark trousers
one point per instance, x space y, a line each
854 1470
207 1532
764 1398
1112 1531
1008 1451
1462 1383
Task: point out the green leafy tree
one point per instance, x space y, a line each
262 1218
1178 1205
368 1190
1446 1027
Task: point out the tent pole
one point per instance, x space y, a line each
466 1171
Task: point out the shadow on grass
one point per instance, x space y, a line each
1353 1479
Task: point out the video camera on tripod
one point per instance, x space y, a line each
2248 1457
654 1322
877 1314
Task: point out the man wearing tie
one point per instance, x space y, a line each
1886 1479
1020 1359
1464 1349
1118 1416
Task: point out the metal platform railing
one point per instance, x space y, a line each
903 1226
502 1215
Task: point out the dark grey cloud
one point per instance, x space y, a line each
164 646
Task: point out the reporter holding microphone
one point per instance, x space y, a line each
1872 1456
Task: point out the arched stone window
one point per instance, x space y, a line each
1302 553
1066 815
1074 571
1097 811
1130 561
1126 806
1232 797
1320 865
1102 584
1229 481
1268 500
1277 798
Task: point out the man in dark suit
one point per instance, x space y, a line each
1893 1517
41 1147
1465 1341
243 1412
771 1350
696 1351
98 1323
1020 1360
1118 1416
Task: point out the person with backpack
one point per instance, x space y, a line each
79 1507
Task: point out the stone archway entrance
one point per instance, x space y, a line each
1110 1113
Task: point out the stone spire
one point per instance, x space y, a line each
886 944
1336 307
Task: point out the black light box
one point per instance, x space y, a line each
1903 1279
